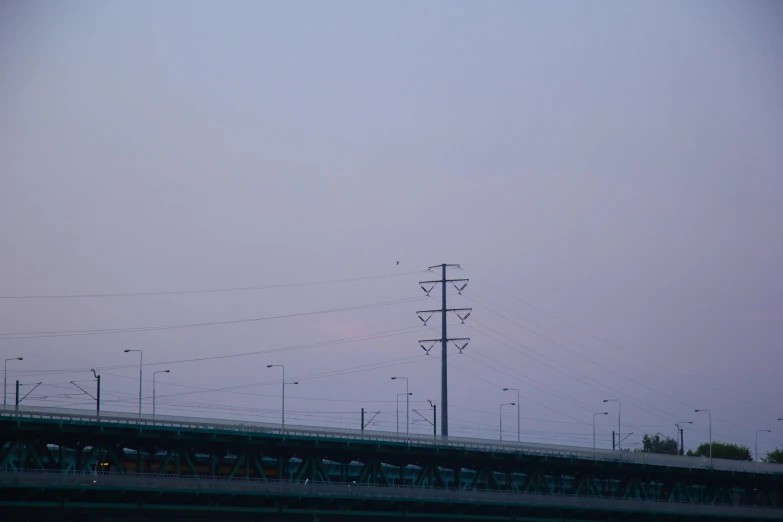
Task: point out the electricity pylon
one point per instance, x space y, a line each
459 342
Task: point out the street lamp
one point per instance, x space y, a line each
141 365
516 390
757 441
501 416
5 377
679 432
284 383
619 408
153 389
407 406
709 414
398 409
594 414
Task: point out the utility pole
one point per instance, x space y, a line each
365 424
97 392
20 399
682 443
97 397
5 376
619 412
680 429
463 314
434 419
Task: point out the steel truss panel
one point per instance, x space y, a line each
105 450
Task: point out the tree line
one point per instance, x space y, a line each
720 450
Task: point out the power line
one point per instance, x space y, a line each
612 390
199 388
573 352
71 333
538 385
210 290
596 363
320 344
531 400
332 373
625 350
496 414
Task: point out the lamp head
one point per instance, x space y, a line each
295 382
606 400
166 371
394 378
126 351
268 365
20 358
410 393
505 389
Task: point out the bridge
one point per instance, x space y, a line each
60 464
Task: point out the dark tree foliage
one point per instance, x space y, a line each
722 450
658 444
775 456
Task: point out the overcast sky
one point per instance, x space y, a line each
608 174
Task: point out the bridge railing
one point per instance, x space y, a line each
153 481
313 432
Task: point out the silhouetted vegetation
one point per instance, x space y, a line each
775 456
658 444
722 450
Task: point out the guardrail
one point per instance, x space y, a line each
484 445
145 481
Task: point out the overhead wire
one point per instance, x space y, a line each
210 290
525 380
627 351
496 414
612 391
531 400
71 333
633 381
252 394
332 373
344 340
577 354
